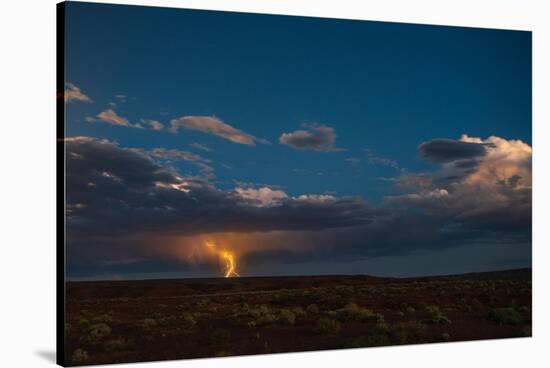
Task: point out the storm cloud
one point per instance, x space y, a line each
447 150
126 203
113 189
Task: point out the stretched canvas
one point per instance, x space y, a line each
233 184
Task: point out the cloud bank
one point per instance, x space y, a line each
128 203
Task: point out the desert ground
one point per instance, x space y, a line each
146 320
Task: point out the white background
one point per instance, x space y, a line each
27 182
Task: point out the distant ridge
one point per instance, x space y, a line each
487 274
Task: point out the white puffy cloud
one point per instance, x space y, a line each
73 93
314 137
213 125
266 196
262 197
153 124
110 116
433 194
312 198
506 161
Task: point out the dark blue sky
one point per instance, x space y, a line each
384 89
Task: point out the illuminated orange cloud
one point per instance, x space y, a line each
504 159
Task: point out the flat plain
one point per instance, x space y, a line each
147 320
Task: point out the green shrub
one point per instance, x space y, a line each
287 317
441 319
262 316
407 332
149 322
107 318
266 319
282 298
203 302
255 312
157 315
352 312
79 356
435 316
83 324
98 331
167 321
116 345
505 316
298 311
327 326
312 309
188 321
